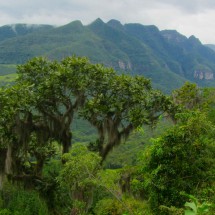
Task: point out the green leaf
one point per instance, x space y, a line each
188 212
191 205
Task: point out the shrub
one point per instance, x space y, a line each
21 202
127 206
182 159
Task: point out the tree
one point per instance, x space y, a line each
78 176
182 159
25 145
15 127
120 105
114 104
60 91
51 104
190 96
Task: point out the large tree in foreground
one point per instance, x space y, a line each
114 104
119 106
60 90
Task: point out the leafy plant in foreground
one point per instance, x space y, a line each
194 207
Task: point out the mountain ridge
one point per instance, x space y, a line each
167 57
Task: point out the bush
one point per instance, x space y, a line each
108 207
182 159
20 202
127 206
5 212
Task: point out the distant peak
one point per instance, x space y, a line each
115 24
72 26
193 39
76 22
98 21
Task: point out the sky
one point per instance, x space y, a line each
189 17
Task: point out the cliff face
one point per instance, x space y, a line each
125 65
203 75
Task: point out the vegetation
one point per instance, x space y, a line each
142 152
166 57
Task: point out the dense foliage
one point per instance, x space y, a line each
181 160
43 170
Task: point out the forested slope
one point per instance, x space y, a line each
167 57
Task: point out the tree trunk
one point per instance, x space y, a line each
66 141
3 155
8 161
2 177
39 166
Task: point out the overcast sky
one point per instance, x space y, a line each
189 17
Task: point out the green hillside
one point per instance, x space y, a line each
11 31
6 69
166 57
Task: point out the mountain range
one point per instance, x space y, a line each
167 57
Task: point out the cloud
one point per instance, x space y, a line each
185 6
188 17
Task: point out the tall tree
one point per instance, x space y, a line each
60 89
15 127
119 106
